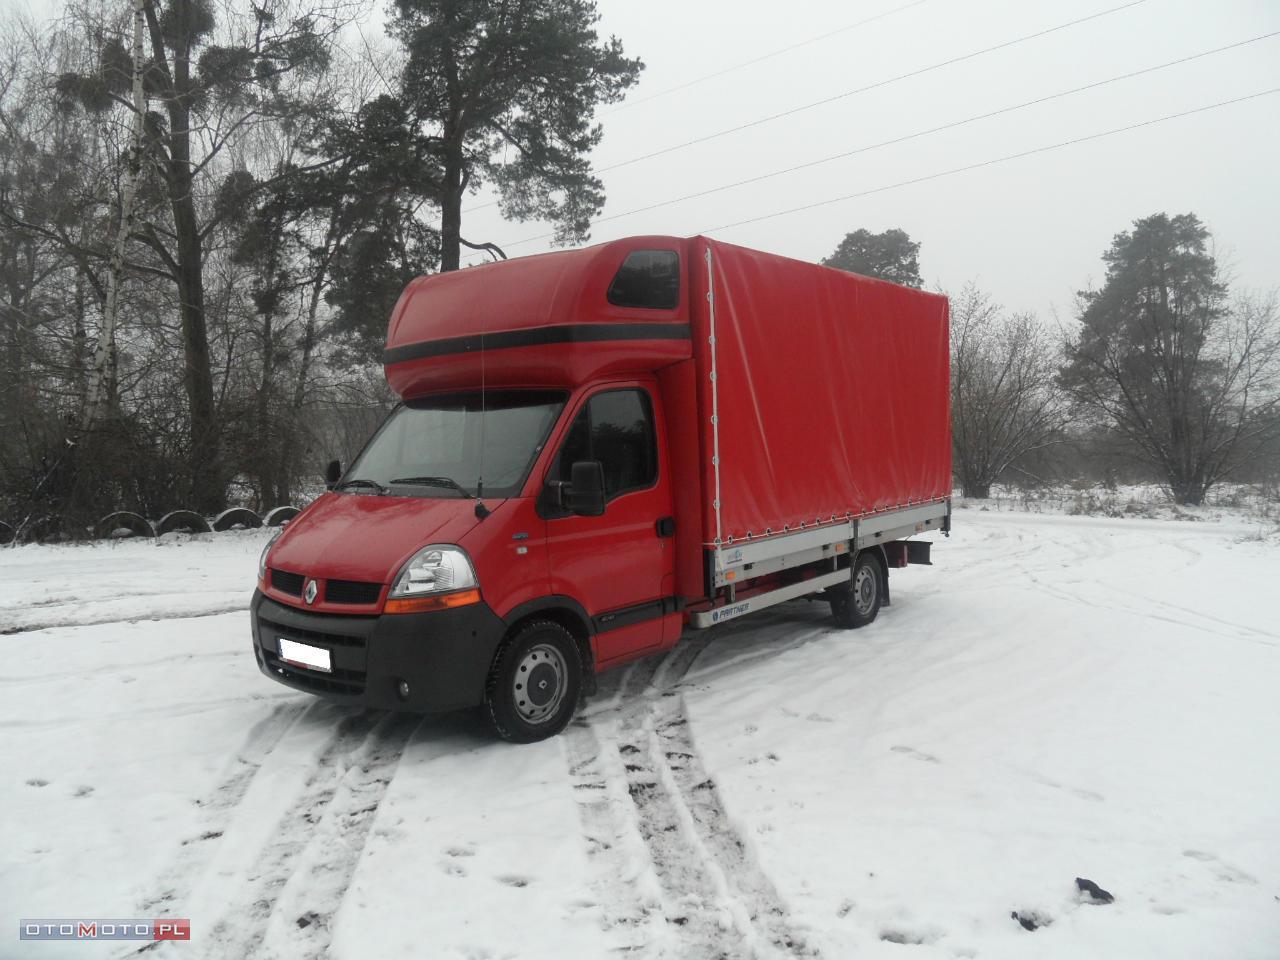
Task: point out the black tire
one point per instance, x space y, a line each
857 605
541 653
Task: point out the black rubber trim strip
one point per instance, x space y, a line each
537 337
630 616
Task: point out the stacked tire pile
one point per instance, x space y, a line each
124 523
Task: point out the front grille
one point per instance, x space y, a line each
346 638
311 636
287 582
351 591
339 681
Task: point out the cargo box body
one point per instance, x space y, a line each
833 393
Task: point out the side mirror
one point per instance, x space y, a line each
333 473
585 496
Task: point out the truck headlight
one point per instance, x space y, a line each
262 558
435 577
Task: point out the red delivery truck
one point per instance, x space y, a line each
597 450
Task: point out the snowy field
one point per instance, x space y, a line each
1057 697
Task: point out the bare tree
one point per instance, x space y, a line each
74 270
216 73
1005 403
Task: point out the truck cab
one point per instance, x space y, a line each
536 508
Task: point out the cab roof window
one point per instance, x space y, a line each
648 279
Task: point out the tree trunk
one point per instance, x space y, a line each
454 183
451 210
264 455
208 487
1188 491
79 340
267 455
292 440
102 390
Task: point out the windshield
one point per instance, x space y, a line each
444 446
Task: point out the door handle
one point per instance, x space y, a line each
666 527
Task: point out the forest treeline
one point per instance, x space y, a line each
207 210
209 207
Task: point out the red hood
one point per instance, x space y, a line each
367 538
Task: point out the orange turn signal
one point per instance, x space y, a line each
441 601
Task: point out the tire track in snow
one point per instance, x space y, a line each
160 712
621 686
219 806
605 829
693 889
198 613
1178 615
620 690
1093 546
1244 631
608 824
718 901
676 665
768 648
370 744
749 884
115 668
339 843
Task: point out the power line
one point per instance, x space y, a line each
976 166
996 160
850 93
870 86
763 57
913 136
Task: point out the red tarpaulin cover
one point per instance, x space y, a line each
834 392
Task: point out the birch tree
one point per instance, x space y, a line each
102 381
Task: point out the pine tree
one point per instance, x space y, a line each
505 91
890 255
1184 377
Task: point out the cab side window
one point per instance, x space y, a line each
616 428
576 446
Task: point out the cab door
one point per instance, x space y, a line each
621 565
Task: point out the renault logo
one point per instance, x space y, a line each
310 593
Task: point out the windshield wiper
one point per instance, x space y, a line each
361 482
435 482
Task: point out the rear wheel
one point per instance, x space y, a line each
533 685
856 605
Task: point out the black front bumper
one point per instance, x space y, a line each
444 656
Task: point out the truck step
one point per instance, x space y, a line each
701 619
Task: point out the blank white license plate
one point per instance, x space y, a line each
305 655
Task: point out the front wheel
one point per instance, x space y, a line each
533 685
857 605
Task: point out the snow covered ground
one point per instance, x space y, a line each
1057 697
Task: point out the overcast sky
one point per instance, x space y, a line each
1031 230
